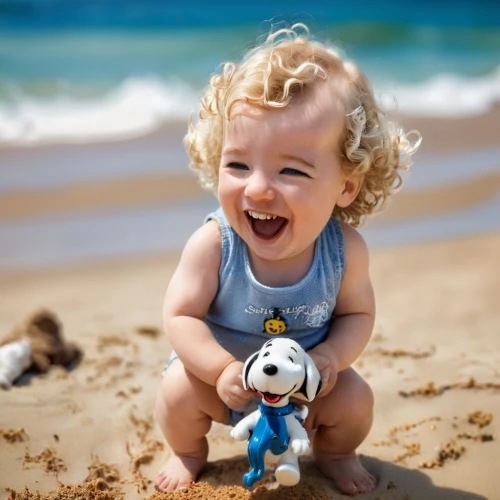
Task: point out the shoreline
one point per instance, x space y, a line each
449 128
153 169
161 153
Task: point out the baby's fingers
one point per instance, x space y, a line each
325 378
234 403
237 398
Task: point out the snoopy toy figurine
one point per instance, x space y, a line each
281 369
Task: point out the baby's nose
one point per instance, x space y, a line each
270 369
259 187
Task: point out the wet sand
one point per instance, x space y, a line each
175 182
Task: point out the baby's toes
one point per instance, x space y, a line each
365 482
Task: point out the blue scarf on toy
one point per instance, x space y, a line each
271 434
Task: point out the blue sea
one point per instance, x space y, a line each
93 70
80 78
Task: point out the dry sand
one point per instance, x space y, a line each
433 362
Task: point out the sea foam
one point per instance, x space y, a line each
136 107
445 95
143 104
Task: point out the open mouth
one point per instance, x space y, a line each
274 398
266 226
271 398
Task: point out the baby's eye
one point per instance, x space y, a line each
239 166
293 171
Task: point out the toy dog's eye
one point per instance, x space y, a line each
290 358
266 354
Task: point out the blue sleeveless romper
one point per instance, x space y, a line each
245 314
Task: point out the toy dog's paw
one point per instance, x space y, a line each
240 433
300 446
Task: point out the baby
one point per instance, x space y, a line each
297 151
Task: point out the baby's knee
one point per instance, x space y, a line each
360 400
351 401
181 394
175 387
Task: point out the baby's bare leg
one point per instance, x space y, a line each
185 408
343 419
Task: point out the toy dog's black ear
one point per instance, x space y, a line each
246 368
312 380
303 389
320 385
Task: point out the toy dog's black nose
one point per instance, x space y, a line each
270 369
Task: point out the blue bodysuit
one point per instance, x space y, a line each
245 313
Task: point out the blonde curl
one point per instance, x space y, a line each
287 65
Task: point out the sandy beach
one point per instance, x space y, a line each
433 361
437 330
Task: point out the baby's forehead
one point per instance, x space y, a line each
317 116
320 98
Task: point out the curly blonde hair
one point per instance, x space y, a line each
270 76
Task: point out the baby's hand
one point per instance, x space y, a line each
327 369
230 386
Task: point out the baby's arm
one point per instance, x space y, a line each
189 295
354 313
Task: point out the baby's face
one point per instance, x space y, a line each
280 175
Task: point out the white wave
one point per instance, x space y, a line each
141 105
136 107
444 95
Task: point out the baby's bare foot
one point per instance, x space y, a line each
178 472
349 475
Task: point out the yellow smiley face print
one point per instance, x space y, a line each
275 325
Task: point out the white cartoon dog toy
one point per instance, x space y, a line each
281 369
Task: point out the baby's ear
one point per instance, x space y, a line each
351 189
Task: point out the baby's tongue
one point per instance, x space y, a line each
268 228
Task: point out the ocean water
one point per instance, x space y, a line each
80 77
98 70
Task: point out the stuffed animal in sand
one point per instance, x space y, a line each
36 344
281 369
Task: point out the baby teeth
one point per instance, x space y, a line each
258 215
